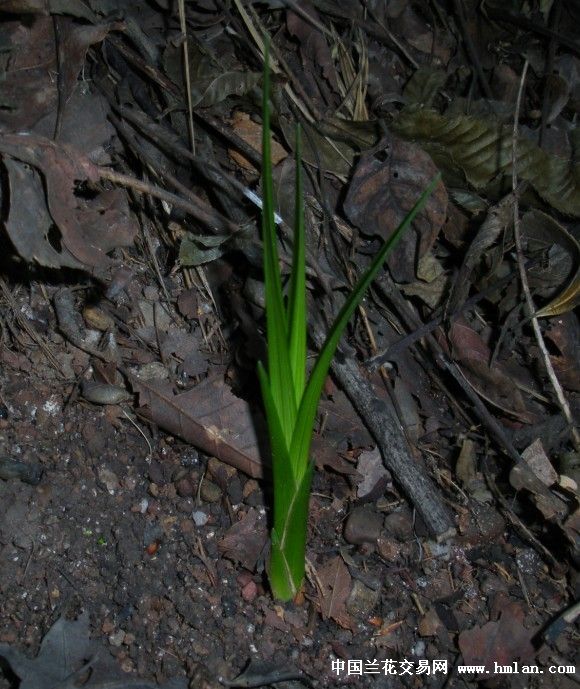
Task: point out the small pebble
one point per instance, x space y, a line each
220 470
250 591
107 626
15 469
96 318
200 518
184 487
129 482
156 473
388 548
249 487
399 525
186 526
127 665
362 599
117 638
210 492
235 490
190 458
363 526
429 624
109 479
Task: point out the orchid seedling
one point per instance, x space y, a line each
290 397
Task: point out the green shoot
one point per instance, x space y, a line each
291 401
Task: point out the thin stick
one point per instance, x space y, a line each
186 73
207 217
562 401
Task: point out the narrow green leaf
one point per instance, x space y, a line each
278 444
297 301
301 440
286 567
279 368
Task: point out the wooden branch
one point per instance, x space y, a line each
381 421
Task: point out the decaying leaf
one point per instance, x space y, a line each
564 334
334 582
208 416
245 540
559 263
503 641
497 220
496 383
28 89
482 151
550 505
195 250
89 227
556 94
536 458
313 46
571 528
29 223
432 283
251 133
211 81
74 8
65 648
318 150
386 184
566 301
374 474
466 466
217 88
67 654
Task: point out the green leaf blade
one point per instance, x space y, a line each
278 445
287 560
297 301
302 437
279 366
286 566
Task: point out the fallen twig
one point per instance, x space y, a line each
385 428
562 401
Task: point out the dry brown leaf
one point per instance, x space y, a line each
335 582
90 227
386 184
503 641
550 505
566 301
313 46
536 458
251 133
495 384
28 89
558 252
564 333
208 416
245 540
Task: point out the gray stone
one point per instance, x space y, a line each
363 525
